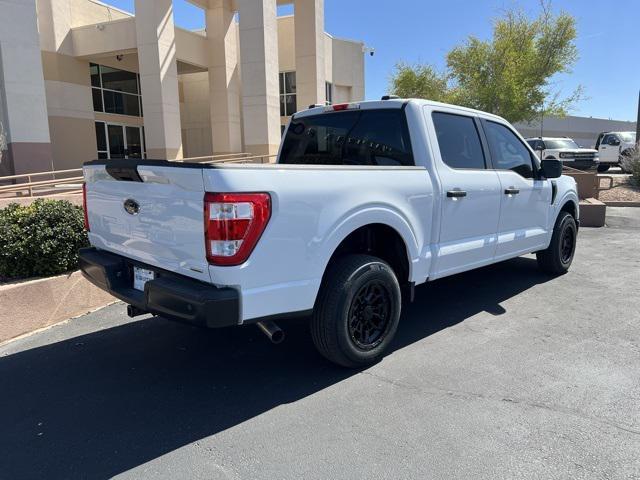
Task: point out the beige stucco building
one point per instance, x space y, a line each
80 79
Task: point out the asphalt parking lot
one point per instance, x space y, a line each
498 373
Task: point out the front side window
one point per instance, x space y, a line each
459 141
507 151
288 97
115 91
368 137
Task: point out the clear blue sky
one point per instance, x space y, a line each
425 30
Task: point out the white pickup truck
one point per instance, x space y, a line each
366 201
616 148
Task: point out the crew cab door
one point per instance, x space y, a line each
609 149
469 194
524 199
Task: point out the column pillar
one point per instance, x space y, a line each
309 41
259 67
25 144
224 77
159 78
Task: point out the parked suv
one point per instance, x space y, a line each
566 150
613 146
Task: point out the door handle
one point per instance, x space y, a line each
511 191
456 193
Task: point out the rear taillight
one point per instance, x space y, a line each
84 206
233 224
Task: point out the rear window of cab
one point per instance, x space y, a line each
350 137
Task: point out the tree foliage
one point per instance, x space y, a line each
419 81
509 75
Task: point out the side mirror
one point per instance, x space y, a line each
551 168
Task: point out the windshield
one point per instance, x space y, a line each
628 137
562 143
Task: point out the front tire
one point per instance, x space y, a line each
603 168
357 311
557 258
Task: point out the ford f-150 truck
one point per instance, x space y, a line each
366 200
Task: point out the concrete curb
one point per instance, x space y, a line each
39 303
622 204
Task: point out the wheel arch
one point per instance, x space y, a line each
570 206
377 231
379 240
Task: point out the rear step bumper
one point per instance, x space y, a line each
171 296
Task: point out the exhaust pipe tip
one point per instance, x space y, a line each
277 337
272 331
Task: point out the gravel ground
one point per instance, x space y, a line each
624 190
498 373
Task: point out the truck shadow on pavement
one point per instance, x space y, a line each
101 404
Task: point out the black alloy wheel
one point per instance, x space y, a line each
369 315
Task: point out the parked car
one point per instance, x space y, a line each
612 146
566 150
366 201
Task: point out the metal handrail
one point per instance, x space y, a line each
244 159
38 174
22 186
215 157
20 183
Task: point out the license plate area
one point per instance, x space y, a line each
142 276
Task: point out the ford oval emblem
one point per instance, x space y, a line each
131 206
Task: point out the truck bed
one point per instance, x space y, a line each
314 207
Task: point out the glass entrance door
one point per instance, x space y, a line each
117 144
119 141
134 143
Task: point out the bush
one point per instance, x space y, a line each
41 239
635 168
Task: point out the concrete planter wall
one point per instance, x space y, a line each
592 211
33 304
74 198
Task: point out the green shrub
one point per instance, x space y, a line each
41 239
635 168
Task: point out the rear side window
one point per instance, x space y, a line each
507 151
459 141
367 137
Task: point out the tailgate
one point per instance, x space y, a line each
149 211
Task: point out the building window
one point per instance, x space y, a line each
328 90
115 91
288 100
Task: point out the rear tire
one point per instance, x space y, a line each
557 258
357 311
